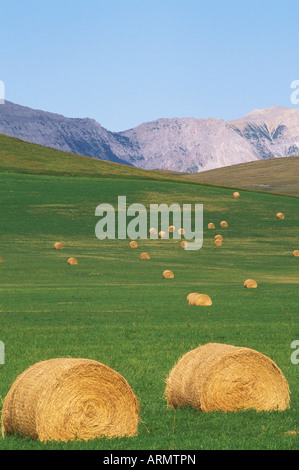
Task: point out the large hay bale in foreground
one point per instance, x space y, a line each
223 224
72 261
58 246
197 299
295 253
167 274
223 377
70 399
211 226
145 256
236 194
280 215
250 284
133 244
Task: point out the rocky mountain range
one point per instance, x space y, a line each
177 144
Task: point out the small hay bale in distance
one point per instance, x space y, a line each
197 299
280 215
218 242
211 226
223 377
133 244
295 253
167 274
162 234
58 246
72 261
144 256
70 399
0 260
181 231
171 228
153 231
223 224
236 194
184 244
218 237
250 284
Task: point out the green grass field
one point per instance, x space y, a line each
118 310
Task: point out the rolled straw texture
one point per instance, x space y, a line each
72 261
167 274
224 377
58 246
70 399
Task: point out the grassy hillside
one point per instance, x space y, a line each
117 309
279 175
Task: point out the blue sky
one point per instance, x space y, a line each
124 62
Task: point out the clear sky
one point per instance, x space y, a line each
124 62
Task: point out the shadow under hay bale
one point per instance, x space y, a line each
70 399
223 377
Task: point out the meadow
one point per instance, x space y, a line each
116 309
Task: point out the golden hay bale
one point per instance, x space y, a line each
162 234
153 231
1 260
145 256
250 284
236 194
70 399
168 274
184 244
201 300
295 253
223 377
72 261
181 231
133 244
219 237
171 228
218 242
280 215
211 226
58 246
223 224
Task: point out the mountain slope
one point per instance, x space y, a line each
178 144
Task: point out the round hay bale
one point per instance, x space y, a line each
236 194
162 234
145 256
280 215
218 237
153 231
211 226
184 244
223 224
133 244
218 242
168 274
171 228
58 246
222 377
295 253
250 284
72 261
181 231
201 300
70 399
0 260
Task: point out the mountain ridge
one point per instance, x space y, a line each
187 145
